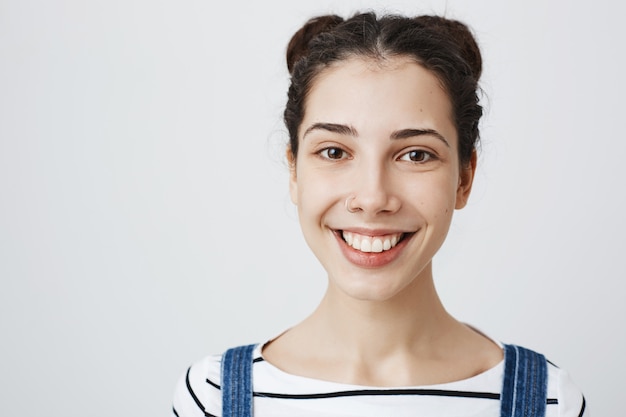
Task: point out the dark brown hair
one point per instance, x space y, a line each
444 46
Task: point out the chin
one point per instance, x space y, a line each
369 288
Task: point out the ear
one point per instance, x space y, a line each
466 178
293 181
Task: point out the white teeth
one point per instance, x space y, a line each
356 242
370 243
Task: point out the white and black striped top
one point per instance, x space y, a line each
277 393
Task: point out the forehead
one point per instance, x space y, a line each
380 96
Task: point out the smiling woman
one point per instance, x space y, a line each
383 119
396 167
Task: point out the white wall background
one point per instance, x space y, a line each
144 215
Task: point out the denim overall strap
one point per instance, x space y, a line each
237 382
524 390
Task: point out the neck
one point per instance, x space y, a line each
412 320
408 339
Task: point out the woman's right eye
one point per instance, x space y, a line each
333 153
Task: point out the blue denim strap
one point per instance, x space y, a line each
237 382
525 385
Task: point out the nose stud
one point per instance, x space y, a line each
349 206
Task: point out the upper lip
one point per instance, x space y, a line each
371 232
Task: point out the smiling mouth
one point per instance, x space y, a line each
368 244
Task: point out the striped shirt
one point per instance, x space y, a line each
277 393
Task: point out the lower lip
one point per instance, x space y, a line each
371 259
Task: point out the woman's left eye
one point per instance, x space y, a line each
417 156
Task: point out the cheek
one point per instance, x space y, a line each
313 193
436 195
319 195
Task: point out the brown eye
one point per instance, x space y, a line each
417 156
333 153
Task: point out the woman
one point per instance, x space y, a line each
383 119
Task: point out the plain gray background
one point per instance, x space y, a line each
144 214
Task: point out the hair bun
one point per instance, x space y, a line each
299 43
459 34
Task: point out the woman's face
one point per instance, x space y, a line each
377 174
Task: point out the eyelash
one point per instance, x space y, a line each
324 153
422 153
425 155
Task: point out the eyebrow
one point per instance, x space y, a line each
398 134
332 127
409 133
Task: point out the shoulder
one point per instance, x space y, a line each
564 398
571 401
197 392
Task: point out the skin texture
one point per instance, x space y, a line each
380 135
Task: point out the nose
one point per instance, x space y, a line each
373 191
